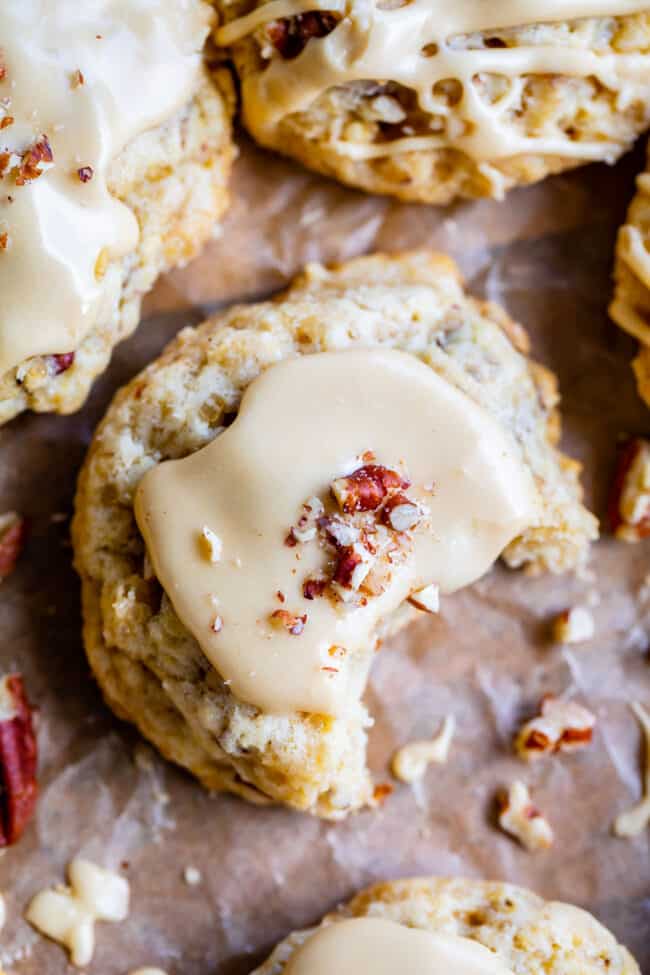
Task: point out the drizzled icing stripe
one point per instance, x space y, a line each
418 45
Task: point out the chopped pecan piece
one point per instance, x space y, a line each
85 173
292 623
18 756
401 513
367 488
562 726
35 161
629 502
314 587
4 241
13 535
523 820
59 363
6 121
290 35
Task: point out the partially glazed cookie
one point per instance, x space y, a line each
630 307
429 100
339 455
115 150
436 926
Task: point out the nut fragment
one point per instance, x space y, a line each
633 821
562 726
18 758
290 35
13 534
401 513
427 599
211 544
35 161
292 623
523 820
366 488
629 502
68 914
410 762
575 625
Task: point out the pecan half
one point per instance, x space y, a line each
13 535
629 500
561 726
366 488
289 36
18 757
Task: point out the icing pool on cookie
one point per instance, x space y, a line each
218 523
415 44
381 947
78 83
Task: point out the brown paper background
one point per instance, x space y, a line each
546 255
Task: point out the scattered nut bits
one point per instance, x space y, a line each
427 599
85 173
366 488
523 820
56 364
629 503
575 625
290 35
307 525
410 762
18 759
13 534
211 544
562 726
68 914
35 161
293 624
635 820
381 793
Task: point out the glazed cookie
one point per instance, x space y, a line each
631 305
436 926
429 100
115 150
371 437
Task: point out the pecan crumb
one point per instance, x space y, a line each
4 241
290 35
6 121
561 726
85 173
292 623
523 820
35 161
59 363
77 79
381 793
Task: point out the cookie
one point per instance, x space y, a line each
427 102
287 565
630 307
115 150
473 926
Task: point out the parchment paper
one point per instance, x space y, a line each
546 254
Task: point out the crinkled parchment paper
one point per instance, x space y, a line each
546 254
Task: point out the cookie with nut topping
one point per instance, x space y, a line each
432 924
428 101
289 484
115 152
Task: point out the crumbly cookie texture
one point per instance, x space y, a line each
630 307
344 131
174 179
530 935
150 668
